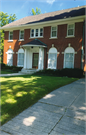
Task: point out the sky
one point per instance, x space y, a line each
22 8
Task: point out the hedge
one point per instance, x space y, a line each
10 68
68 72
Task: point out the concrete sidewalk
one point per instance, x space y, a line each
62 112
13 74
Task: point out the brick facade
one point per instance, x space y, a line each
61 43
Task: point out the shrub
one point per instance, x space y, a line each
69 72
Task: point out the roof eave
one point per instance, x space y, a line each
46 23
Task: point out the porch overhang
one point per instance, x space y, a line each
35 43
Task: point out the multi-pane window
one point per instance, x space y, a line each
54 31
21 57
37 32
52 58
69 60
69 57
22 34
10 35
32 32
41 32
70 31
10 57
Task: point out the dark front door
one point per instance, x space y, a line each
35 60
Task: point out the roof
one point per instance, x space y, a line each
61 14
36 42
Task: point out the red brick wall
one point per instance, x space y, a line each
61 43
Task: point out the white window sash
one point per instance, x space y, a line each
70 29
53 31
21 34
34 33
70 62
10 34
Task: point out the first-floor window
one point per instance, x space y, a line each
69 60
21 57
10 57
52 58
69 57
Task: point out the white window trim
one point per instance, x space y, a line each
51 32
68 36
10 40
35 32
19 36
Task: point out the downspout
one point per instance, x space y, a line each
82 49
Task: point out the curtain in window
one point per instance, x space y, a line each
21 59
10 59
52 58
69 60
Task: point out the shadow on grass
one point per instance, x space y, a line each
20 92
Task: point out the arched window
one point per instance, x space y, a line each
69 57
10 57
52 58
20 58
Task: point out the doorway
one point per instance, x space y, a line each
35 60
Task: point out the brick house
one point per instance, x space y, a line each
52 40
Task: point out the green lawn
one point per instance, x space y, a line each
20 92
6 72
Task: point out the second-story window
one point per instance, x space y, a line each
70 30
22 34
53 32
10 35
32 32
41 32
37 32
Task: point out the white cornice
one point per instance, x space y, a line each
30 45
47 23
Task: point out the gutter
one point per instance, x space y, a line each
46 23
82 49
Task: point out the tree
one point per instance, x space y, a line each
4 19
38 11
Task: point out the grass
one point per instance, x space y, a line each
20 92
6 72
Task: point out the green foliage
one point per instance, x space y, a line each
4 19
12 69
37 12
76 72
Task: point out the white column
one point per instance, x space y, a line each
25 58
41 58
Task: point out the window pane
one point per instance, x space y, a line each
54 34
71 26
32 33
52 57
36 34
10 59
70 32
41 32
11 35
69 60
54 28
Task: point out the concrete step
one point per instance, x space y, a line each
28 71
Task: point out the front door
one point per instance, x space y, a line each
35 60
